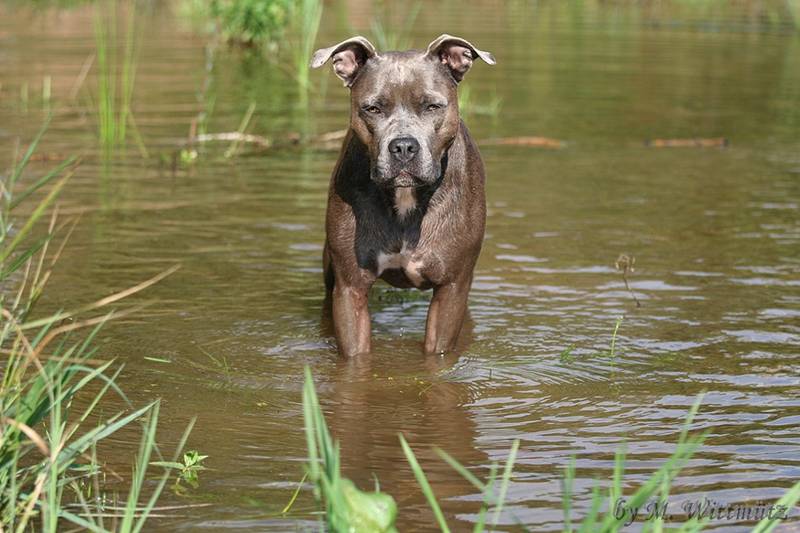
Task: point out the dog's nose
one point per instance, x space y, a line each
404 148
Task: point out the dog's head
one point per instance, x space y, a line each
404 105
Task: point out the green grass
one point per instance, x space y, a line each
284 31
469 104
116 77
251 22
306 18
613 352
346 507
390 36
49 471
419 474
661 480
188 470
234 147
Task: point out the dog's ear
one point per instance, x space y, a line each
457 54
348 57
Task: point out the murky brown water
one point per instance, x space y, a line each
715 233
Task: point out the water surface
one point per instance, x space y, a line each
715 233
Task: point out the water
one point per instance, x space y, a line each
715 234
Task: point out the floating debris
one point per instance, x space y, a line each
716 142
538 142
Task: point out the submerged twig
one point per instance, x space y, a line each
714 142
233 136
541 142
76 86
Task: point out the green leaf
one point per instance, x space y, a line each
23 257
788 501
17 172
368 512
37 213
506 479
41 182
423 482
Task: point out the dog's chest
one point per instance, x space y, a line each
407 261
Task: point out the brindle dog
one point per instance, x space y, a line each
406 201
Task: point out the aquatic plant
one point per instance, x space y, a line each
116 77
469 104
287 29
49 471
188 470
306 18
346 507
251 22
659 482
390 36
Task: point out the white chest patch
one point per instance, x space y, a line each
403 260
405 200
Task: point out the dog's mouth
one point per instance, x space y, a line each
402 179
405 179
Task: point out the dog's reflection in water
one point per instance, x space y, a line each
377 396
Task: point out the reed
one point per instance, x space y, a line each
469 104
390 36
306 19
116 78
346 507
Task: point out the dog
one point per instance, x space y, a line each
406 201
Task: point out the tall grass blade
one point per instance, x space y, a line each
505 481
566 498
307 18
309 401
37 213
787 502
231 151
613 352
44 180
145 512
488 498
458 467
423 483
19 167
296 492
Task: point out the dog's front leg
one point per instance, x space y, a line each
446 315
351 321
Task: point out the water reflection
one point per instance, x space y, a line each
368 411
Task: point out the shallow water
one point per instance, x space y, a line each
715 233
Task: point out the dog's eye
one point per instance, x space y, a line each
373 109
433 107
